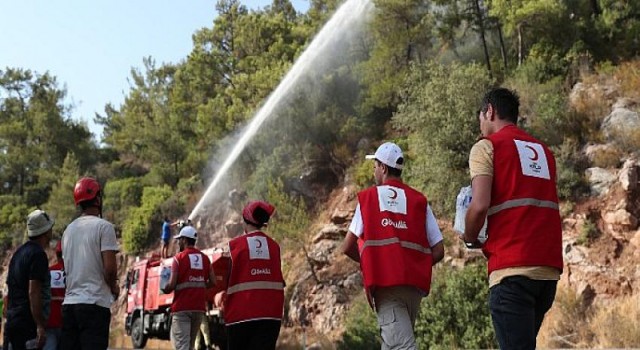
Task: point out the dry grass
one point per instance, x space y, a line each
616 325
569 324
628 75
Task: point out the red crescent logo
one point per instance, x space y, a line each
259 243
58 276
394 195
535 153
197 258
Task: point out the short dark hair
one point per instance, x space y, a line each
93 202
393 171
190 241
505 102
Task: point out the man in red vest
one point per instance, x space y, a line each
191 275
513 179
395 237
54 325
255 295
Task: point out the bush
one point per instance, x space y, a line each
119 196
456 314
13 220
439 112
361 327
138 230
570 166
588 232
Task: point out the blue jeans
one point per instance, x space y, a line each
518 305
53 339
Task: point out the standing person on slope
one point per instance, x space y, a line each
89 249
191 275
513 181
254 301
54 325
396 239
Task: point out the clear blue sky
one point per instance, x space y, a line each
91 45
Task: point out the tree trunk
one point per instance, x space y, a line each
519 45
503 49
595 8
482 35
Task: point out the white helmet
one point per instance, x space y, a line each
188 232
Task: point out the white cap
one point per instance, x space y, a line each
38 222
187 231
388 154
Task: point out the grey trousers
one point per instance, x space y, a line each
397 309
185 326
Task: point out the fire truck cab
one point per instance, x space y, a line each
149 308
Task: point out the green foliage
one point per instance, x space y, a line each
588 232
137 230
456 314
291 221
13 220
119 197
361 327
439 112
61 205
570 166
36 134
363 174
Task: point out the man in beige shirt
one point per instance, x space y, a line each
513 183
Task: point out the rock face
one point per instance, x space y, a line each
603 266
621 123
321 298
600 180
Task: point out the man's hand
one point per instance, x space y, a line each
115 291
41 337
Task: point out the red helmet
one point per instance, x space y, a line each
87 188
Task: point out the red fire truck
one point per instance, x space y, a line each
148 307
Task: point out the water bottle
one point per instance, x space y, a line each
165 275
462 204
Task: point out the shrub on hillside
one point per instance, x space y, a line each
570 166
456 314
138 230
439 111
119 196
13 216
361 327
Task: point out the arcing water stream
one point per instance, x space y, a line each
351 15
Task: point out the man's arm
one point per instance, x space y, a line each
36 304
350 246
437 253
110 266
173 280
211 281
477 211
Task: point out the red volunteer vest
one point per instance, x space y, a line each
394 249
256 285
524 224
57 295
193 271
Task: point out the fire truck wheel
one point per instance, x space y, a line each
138 338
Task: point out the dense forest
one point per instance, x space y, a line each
414 73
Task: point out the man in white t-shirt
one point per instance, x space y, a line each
396 239
89 249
